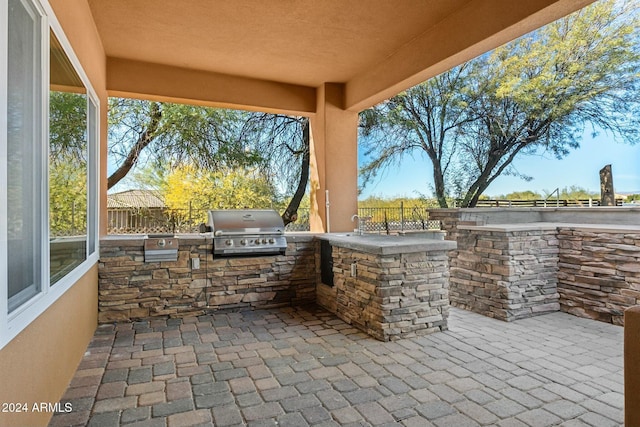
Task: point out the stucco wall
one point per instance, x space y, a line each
37 365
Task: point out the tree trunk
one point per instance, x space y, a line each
291 212
438 180
144 139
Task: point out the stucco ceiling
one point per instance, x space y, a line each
304 42
376 48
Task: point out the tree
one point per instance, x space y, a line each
191 191
534 95
67 127
67 199
67 163
424 118
285 143
170 136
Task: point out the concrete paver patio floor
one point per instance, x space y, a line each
303 366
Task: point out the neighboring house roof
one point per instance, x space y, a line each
135 199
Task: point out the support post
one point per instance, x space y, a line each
632 366
333 161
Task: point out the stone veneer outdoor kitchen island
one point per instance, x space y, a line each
387 286
390 287
130 288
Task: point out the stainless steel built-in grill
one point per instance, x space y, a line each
247 232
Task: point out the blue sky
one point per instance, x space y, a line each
580 168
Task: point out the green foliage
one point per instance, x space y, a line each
67 199
67 126
577 193
163 137
521 195
393 202
281 204
67 163
422 119
388 208
167 136
185 134
573 192
149 177
534 95
191 191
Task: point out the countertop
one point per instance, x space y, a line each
530 226
368 243
386 245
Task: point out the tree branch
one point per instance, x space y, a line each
144 140
291 212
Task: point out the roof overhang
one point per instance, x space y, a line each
274 55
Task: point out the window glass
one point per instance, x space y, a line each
92 181
24 152
68 155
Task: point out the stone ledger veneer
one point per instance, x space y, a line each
131 289
516 270
391 295
389 287
506 273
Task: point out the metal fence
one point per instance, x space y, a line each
388 220
146 221
381 220
392 220
540 203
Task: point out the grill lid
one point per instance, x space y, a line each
245 221
247 232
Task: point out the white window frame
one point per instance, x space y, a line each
4 73
11 324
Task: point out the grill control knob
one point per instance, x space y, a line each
228 242
272 240
257 242
243 241
264 241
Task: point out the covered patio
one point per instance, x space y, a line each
324 60
303 366
327 61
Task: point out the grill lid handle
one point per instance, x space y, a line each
219 233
